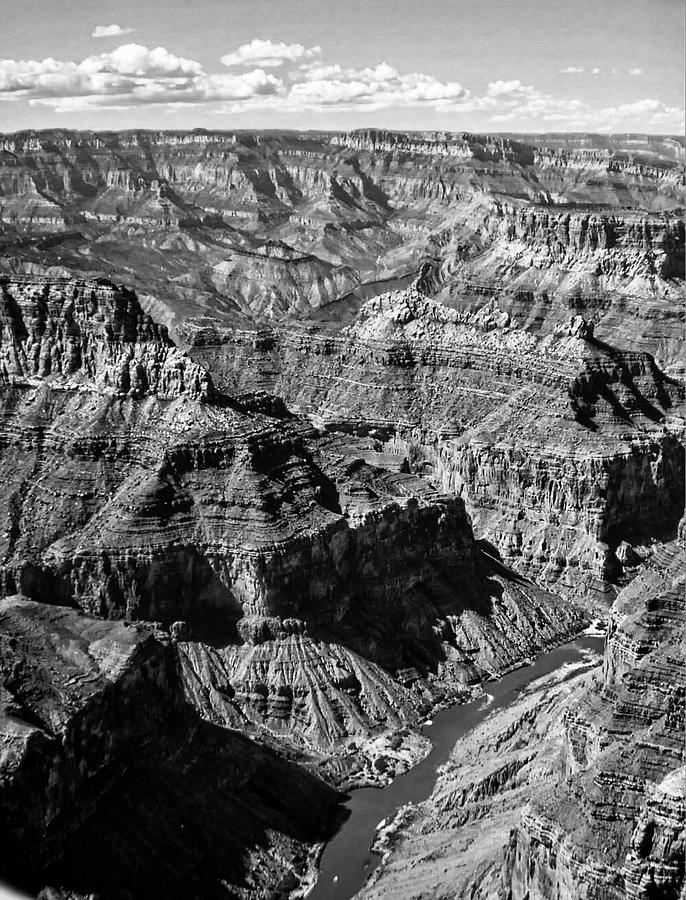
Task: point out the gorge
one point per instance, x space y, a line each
310 438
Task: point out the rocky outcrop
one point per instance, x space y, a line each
328 688
111 782
329 593
575 790
562 447
456 146
186 216
90 332
274 281
615 828
341 523
622 269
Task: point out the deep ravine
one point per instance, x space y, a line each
347 860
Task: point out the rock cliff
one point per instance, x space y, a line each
562 447
623 269
340 506
110 781
326 590
90 333
575 791
190 217
616 826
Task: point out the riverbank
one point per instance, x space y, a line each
347 860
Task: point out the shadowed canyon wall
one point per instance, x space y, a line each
303 436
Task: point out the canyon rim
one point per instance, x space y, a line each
342 397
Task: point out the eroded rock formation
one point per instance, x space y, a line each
622 269
111 781
567 223
329 593
332 526
575 791
561 446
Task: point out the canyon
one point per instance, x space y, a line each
305 437
576 790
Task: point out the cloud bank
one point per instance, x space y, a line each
133 75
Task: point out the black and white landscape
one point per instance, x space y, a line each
341 453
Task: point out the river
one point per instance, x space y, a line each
342 311
347 860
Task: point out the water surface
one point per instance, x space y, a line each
347 860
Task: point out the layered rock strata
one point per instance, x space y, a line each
92 334
562 447
624 269
111 783
191 217
274 280
577 790
615 826
340 596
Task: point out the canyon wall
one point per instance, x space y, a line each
562 447
110 781
324 588
338 507
195 220
577 789
621 268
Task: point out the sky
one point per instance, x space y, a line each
455 65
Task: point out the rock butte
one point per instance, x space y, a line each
303 436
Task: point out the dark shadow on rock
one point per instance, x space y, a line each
489 563
196 813
410 629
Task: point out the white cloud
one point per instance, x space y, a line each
571 70
515 100
224 88
135 59
644 113
102 73
268 53
132 75
636 71
380 86
596 71
513 88
104 31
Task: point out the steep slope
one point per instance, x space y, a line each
562 447
340 597
171 211
575 791
110 782
624 758
622 269
340 508
275 280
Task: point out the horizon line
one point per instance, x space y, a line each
199 129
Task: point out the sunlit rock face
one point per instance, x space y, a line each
302 435
616 827
90 332
325 589
577 789
304 587
562 447
621 268
548 223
